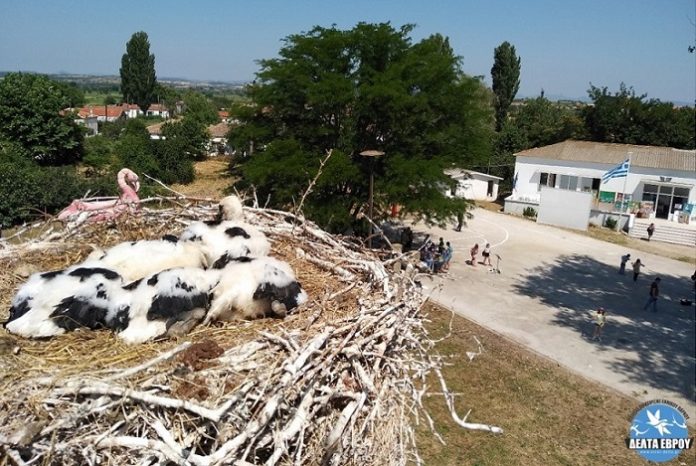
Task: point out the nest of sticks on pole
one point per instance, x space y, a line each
338 381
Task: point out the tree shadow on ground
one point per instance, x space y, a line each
663 342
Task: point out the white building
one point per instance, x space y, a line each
473 185
661 183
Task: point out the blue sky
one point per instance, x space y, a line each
564 44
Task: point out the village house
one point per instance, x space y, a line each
217 145
217 142
565 179
473 185
91 115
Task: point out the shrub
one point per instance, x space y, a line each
529 212
99 152
610 223
27 190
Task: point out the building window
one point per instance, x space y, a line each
650 188
569 182
547 179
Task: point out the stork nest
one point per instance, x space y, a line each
335 382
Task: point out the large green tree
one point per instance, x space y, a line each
544 122
189 134
369 87
506 80
199 107
627 118
30 115
534 123
138 79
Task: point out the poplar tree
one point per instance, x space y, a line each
506 80
138 79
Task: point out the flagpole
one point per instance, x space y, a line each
623 195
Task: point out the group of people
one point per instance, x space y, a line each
636 265
654 287
486 255
437 257
600 316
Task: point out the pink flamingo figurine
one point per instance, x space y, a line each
97 209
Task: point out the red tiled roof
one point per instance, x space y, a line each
219 131
110 111
156 108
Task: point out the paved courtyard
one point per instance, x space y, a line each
552 280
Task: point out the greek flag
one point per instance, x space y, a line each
618 171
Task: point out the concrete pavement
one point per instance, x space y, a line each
552 280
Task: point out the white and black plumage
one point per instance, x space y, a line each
53 303
217 238
230 208
253 288
138 259
168 303
228 233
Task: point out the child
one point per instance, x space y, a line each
636 269
474 252
600 319
487 255
447 257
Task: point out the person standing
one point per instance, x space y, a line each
487 255
624 260
636 269
600 319
654 293
460 221
651 230
449 252
474 252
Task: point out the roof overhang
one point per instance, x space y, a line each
666 183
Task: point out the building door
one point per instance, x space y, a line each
664 202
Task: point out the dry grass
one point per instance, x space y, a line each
674 251
493 206
550 415
212 179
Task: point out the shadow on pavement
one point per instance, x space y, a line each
664 341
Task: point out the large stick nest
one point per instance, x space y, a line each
332 383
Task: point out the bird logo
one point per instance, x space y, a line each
634 428
659 424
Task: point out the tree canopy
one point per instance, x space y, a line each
506 80
627 118
30 115
369 87
197 106
138 79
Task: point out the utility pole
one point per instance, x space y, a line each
372 155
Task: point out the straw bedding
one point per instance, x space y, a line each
335 382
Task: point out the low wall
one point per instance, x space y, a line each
599 217
516 207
